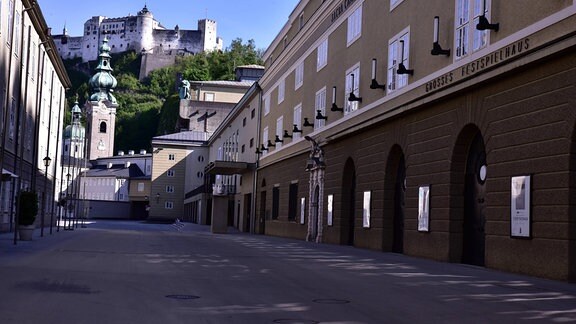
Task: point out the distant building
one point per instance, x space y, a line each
141 33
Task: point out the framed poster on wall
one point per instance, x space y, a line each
366 209
302 210
330 210
424 208
520 206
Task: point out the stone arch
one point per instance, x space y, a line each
103 127
458 171
394 200
348 220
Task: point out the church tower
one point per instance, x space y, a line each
101 108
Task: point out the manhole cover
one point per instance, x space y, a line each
295 321
182 297
331 301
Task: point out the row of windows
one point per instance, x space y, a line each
467 40
292 202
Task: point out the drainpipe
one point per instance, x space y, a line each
255 180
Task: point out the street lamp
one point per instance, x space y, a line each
66 209
47 161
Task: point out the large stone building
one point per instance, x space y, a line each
445 131
33 82
141 33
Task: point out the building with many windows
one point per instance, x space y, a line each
33 82
442 130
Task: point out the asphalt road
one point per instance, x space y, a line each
132 272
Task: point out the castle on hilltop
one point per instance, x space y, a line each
141 33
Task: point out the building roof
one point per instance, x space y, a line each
189 136
235 84
116 171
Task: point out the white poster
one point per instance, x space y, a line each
520 206
366 209
423 209
302 210
330 209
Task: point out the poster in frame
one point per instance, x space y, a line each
366 209
520 206
302 210
424 209
329 215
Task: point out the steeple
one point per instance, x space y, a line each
103 82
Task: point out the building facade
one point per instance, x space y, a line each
141 33
444 132
32 103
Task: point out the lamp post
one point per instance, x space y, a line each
47 161
66 221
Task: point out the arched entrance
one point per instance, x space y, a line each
394 201
347 226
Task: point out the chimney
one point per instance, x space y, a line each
131 152
120 153
142 152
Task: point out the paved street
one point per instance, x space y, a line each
133 272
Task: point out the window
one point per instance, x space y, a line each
266 105
299 76
301 21
12 119
354 25
265 137
10 22
103 127
275 202
467 38
140 186
398 52
243 148
320 104
281 90
170 173
171 157
279 131
168 205
293 202
169 189
394 3
252 142
208 96
244 122
352 86
17 34
322 55
253 113
297 120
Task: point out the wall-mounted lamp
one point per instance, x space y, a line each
334 106
374 84
157 197
263 148
278 140
296 130
401 68
483 22
436 48
319 115
352 96
270 144
307 123
286 135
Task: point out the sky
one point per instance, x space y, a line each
260 20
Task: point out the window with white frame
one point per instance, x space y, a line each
354 25
320 104
171 157
299 76
169 205
301 21
322 55
17 34
208 96
297 120
467 38
281 90
398 52
169 189
266 105
279 131
394 3
170 173
265 137
352 86
140 186
10 22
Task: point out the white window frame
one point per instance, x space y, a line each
281 90
297 120
168 205
279 131
396 81
171 157
140 186
322 55
170 173
299 76
395 3
351 106
354 26
209 96
265 138
467 39
320 104
170 189
266 105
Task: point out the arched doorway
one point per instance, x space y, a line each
394 201
474 203
348 203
